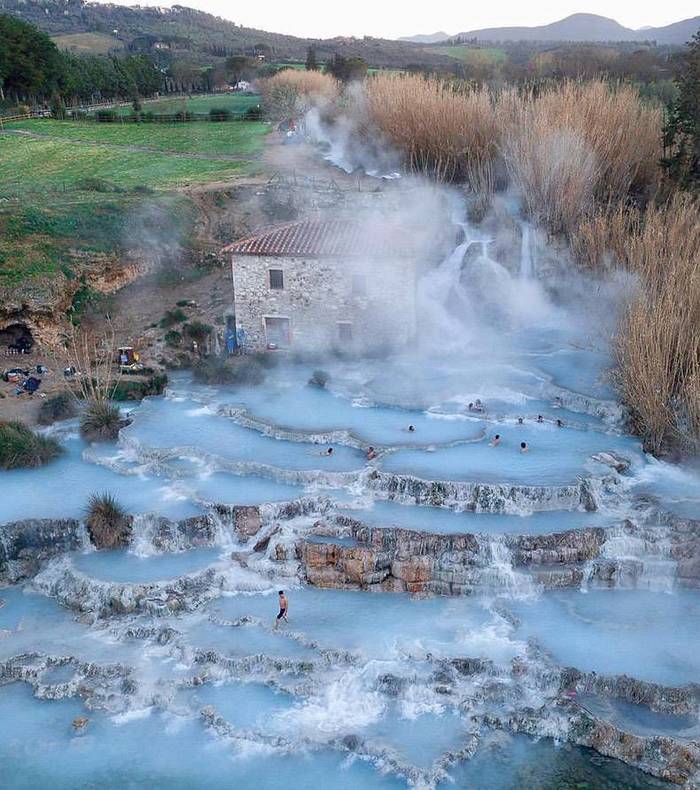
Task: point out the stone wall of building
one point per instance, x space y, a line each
377 298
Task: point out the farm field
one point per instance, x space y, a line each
243 139
468 54
88 43
233 102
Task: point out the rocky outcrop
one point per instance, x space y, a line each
671 700
661 756
60 580
410 561
481 497
26 545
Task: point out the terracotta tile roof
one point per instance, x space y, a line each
325 239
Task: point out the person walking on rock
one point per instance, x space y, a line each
284 607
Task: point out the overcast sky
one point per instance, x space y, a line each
391 19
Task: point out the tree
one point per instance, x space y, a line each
347 69
30 63
240 67
311 62
682 131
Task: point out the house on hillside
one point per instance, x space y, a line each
319 285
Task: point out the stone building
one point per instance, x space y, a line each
320 285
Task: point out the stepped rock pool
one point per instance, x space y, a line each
567 616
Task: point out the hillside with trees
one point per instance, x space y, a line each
185 33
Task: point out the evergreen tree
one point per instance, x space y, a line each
311 63
682 132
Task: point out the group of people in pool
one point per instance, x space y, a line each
524 447
476 406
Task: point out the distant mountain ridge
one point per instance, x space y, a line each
577 27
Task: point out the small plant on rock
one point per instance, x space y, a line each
172 317
101 422
20 447
107 522
173 338
58 407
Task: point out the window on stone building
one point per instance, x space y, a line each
359 285
276 279
344 331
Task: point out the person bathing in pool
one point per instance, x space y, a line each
524 448
496 440
328 451
284 608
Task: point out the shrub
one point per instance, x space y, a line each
138 390
20 447
58 407
171 317
246 371
184 303
106 116
213 370
319 379
94 184
101 422
219 114
198 331
173 338
253 113
107 522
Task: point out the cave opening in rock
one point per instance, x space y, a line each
16 337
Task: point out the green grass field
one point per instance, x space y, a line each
468 54
244 139
32 165
234 102
72 186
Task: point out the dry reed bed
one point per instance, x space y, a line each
292 92
658 344
566 149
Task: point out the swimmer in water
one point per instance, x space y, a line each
520 420
540 418
560 424
496 440
327 452
411 428
524 448
371 454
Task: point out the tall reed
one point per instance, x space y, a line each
578 145
658 343
567 149
442 129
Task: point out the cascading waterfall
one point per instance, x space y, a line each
527 269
